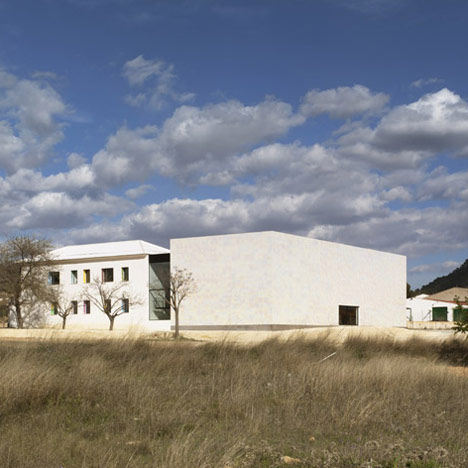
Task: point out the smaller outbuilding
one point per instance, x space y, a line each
438 307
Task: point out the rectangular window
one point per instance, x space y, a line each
74 276
86 307
107 306
125 306
86 276
53 309
74 307
124 273
107 275
54 277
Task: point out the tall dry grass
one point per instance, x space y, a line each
375 403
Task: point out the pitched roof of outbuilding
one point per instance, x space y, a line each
107 249
449 294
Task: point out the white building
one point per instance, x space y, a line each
262 280
136 265
439 307
420 308
273 280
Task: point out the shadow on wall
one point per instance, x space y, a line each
36 318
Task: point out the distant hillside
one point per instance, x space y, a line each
458 277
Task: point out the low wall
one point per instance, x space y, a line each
429 325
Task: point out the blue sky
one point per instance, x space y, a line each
344 120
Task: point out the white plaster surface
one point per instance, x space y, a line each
270 278
138 316
419 309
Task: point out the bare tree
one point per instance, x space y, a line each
113 299
23 262
179 286
4 312
63 306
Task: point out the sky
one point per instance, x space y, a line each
342 120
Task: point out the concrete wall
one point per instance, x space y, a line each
269 278
138 316
233 274
424 325
319 276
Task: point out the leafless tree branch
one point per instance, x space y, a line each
180 285
23 264
107 297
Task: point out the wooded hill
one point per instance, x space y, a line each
458 277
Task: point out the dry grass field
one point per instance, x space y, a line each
377 402
334 333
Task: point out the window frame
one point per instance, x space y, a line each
86 307
74 277
104 272
51 278
125 274
86 276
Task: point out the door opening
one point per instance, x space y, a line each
348 315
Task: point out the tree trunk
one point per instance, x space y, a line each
111 323
176 328
19 317
64 322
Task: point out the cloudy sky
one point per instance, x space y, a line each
344 120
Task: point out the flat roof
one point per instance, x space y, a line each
279 233
107 249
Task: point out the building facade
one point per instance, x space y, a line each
269 280
438 307
262 280
135 270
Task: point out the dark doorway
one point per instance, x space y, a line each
348 315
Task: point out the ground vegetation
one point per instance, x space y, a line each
367 402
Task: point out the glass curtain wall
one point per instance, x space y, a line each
159 273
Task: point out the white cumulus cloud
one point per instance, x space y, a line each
193 141
342 102
30 126
156 81
410 134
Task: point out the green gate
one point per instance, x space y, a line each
439 314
